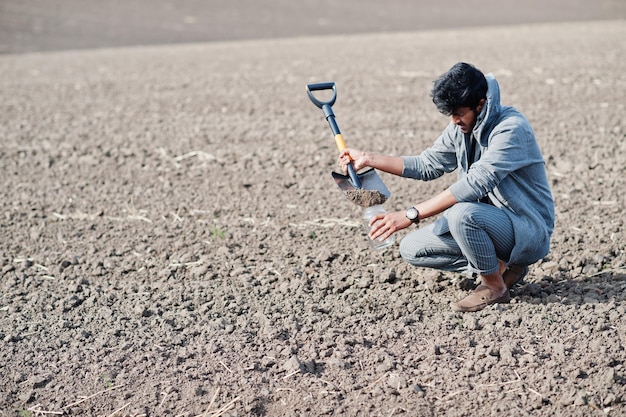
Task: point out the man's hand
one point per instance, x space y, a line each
382 226
358 158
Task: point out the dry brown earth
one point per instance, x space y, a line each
50 25
173 244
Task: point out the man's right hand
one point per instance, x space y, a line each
358 158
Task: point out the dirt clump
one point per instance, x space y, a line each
365 198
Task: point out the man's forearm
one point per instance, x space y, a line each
391 164
436 205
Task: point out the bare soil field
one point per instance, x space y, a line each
51 25
172 242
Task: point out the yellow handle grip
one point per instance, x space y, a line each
341 144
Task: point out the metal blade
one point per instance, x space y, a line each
369 181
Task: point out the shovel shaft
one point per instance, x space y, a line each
341 145
353 177
327 108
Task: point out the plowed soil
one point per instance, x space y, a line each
172 242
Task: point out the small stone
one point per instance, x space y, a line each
471 322
550 266
418 389
609 377
397 381
142 311
336 362
506 354
609 399
581 398
222 251
27 396
64 265
293 365
364 282
39 381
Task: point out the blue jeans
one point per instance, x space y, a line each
469 237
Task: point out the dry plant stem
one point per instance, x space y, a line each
206 413
328 383
499 384
377 381
291 374
164 398
226 367
451 395
524 385
572 335
226 408
35 409
496 384
606 271
92 396
399 409
512 390
534 392
119 409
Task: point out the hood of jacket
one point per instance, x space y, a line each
490 112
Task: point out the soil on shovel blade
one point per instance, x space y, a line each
365 198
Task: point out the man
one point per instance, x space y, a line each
498 216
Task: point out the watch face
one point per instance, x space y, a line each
412 213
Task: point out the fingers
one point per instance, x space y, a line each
344 159
382 226
343 162
379 225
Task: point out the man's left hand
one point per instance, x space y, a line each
382 226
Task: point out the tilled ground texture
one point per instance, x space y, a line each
173 243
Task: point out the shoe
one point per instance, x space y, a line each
514 275
480 298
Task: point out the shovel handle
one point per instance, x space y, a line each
341 145
326 107
318 87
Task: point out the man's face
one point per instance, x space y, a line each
464 118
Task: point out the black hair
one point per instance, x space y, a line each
462 86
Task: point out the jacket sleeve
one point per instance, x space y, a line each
434 161
509 148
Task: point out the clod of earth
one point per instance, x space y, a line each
365 198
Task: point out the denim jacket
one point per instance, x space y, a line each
510 171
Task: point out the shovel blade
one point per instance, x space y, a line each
369 181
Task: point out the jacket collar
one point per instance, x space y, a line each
490 110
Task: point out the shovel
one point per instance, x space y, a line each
366 180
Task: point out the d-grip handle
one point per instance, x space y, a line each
318 87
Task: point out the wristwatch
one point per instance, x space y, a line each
413 215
